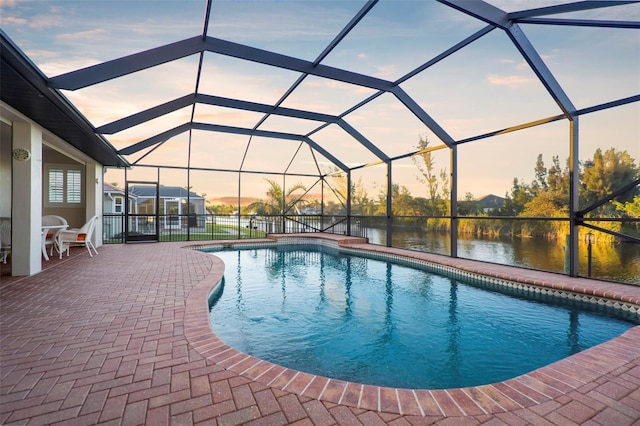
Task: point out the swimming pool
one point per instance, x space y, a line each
375 322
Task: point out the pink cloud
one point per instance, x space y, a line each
513 81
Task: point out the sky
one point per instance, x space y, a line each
484 87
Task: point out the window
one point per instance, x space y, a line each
118 203
64 185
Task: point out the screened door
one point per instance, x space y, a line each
142 222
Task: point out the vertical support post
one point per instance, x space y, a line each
321 199
389 205
157 212
94 198
589 261
127 208
189 177
453 205
27 182
567 253
239 194
574 184
284 204
349 202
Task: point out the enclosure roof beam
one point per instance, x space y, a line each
146 115
497 17
258 107
139 61
538 66
164 136
326 154
160 137
253 54
270 134
125 65
580 23
354 21
607 105
246 131
176 104
422 115
453 49
566 8
481 10
364 141
207 169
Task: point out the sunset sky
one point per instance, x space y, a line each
484 87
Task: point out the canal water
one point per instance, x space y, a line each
617 262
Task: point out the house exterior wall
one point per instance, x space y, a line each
26 204
76 216
5 170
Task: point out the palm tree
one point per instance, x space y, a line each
276 202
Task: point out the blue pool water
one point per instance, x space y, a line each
315 310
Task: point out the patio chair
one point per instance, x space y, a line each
5 239
78 237
51 239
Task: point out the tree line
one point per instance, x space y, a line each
546 196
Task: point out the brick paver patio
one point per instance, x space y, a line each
123 338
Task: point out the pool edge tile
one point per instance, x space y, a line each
471 402
428 403
388 400
333 391
517 393
408 403
315 388
352 394
370 399
447 403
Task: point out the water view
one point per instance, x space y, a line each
617 262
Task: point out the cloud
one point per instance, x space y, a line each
519 65
24 14
12 20
98 33
60 65
512 81
389 72
362 56
42 22
40 54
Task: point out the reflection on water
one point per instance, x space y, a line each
619 262
380 323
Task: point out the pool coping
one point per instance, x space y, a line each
536 387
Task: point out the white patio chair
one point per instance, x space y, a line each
78 237
51 239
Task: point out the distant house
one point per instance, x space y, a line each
178 207
113 206
113 202
488 202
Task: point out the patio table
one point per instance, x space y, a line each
45 232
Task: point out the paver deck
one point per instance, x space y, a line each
123 338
